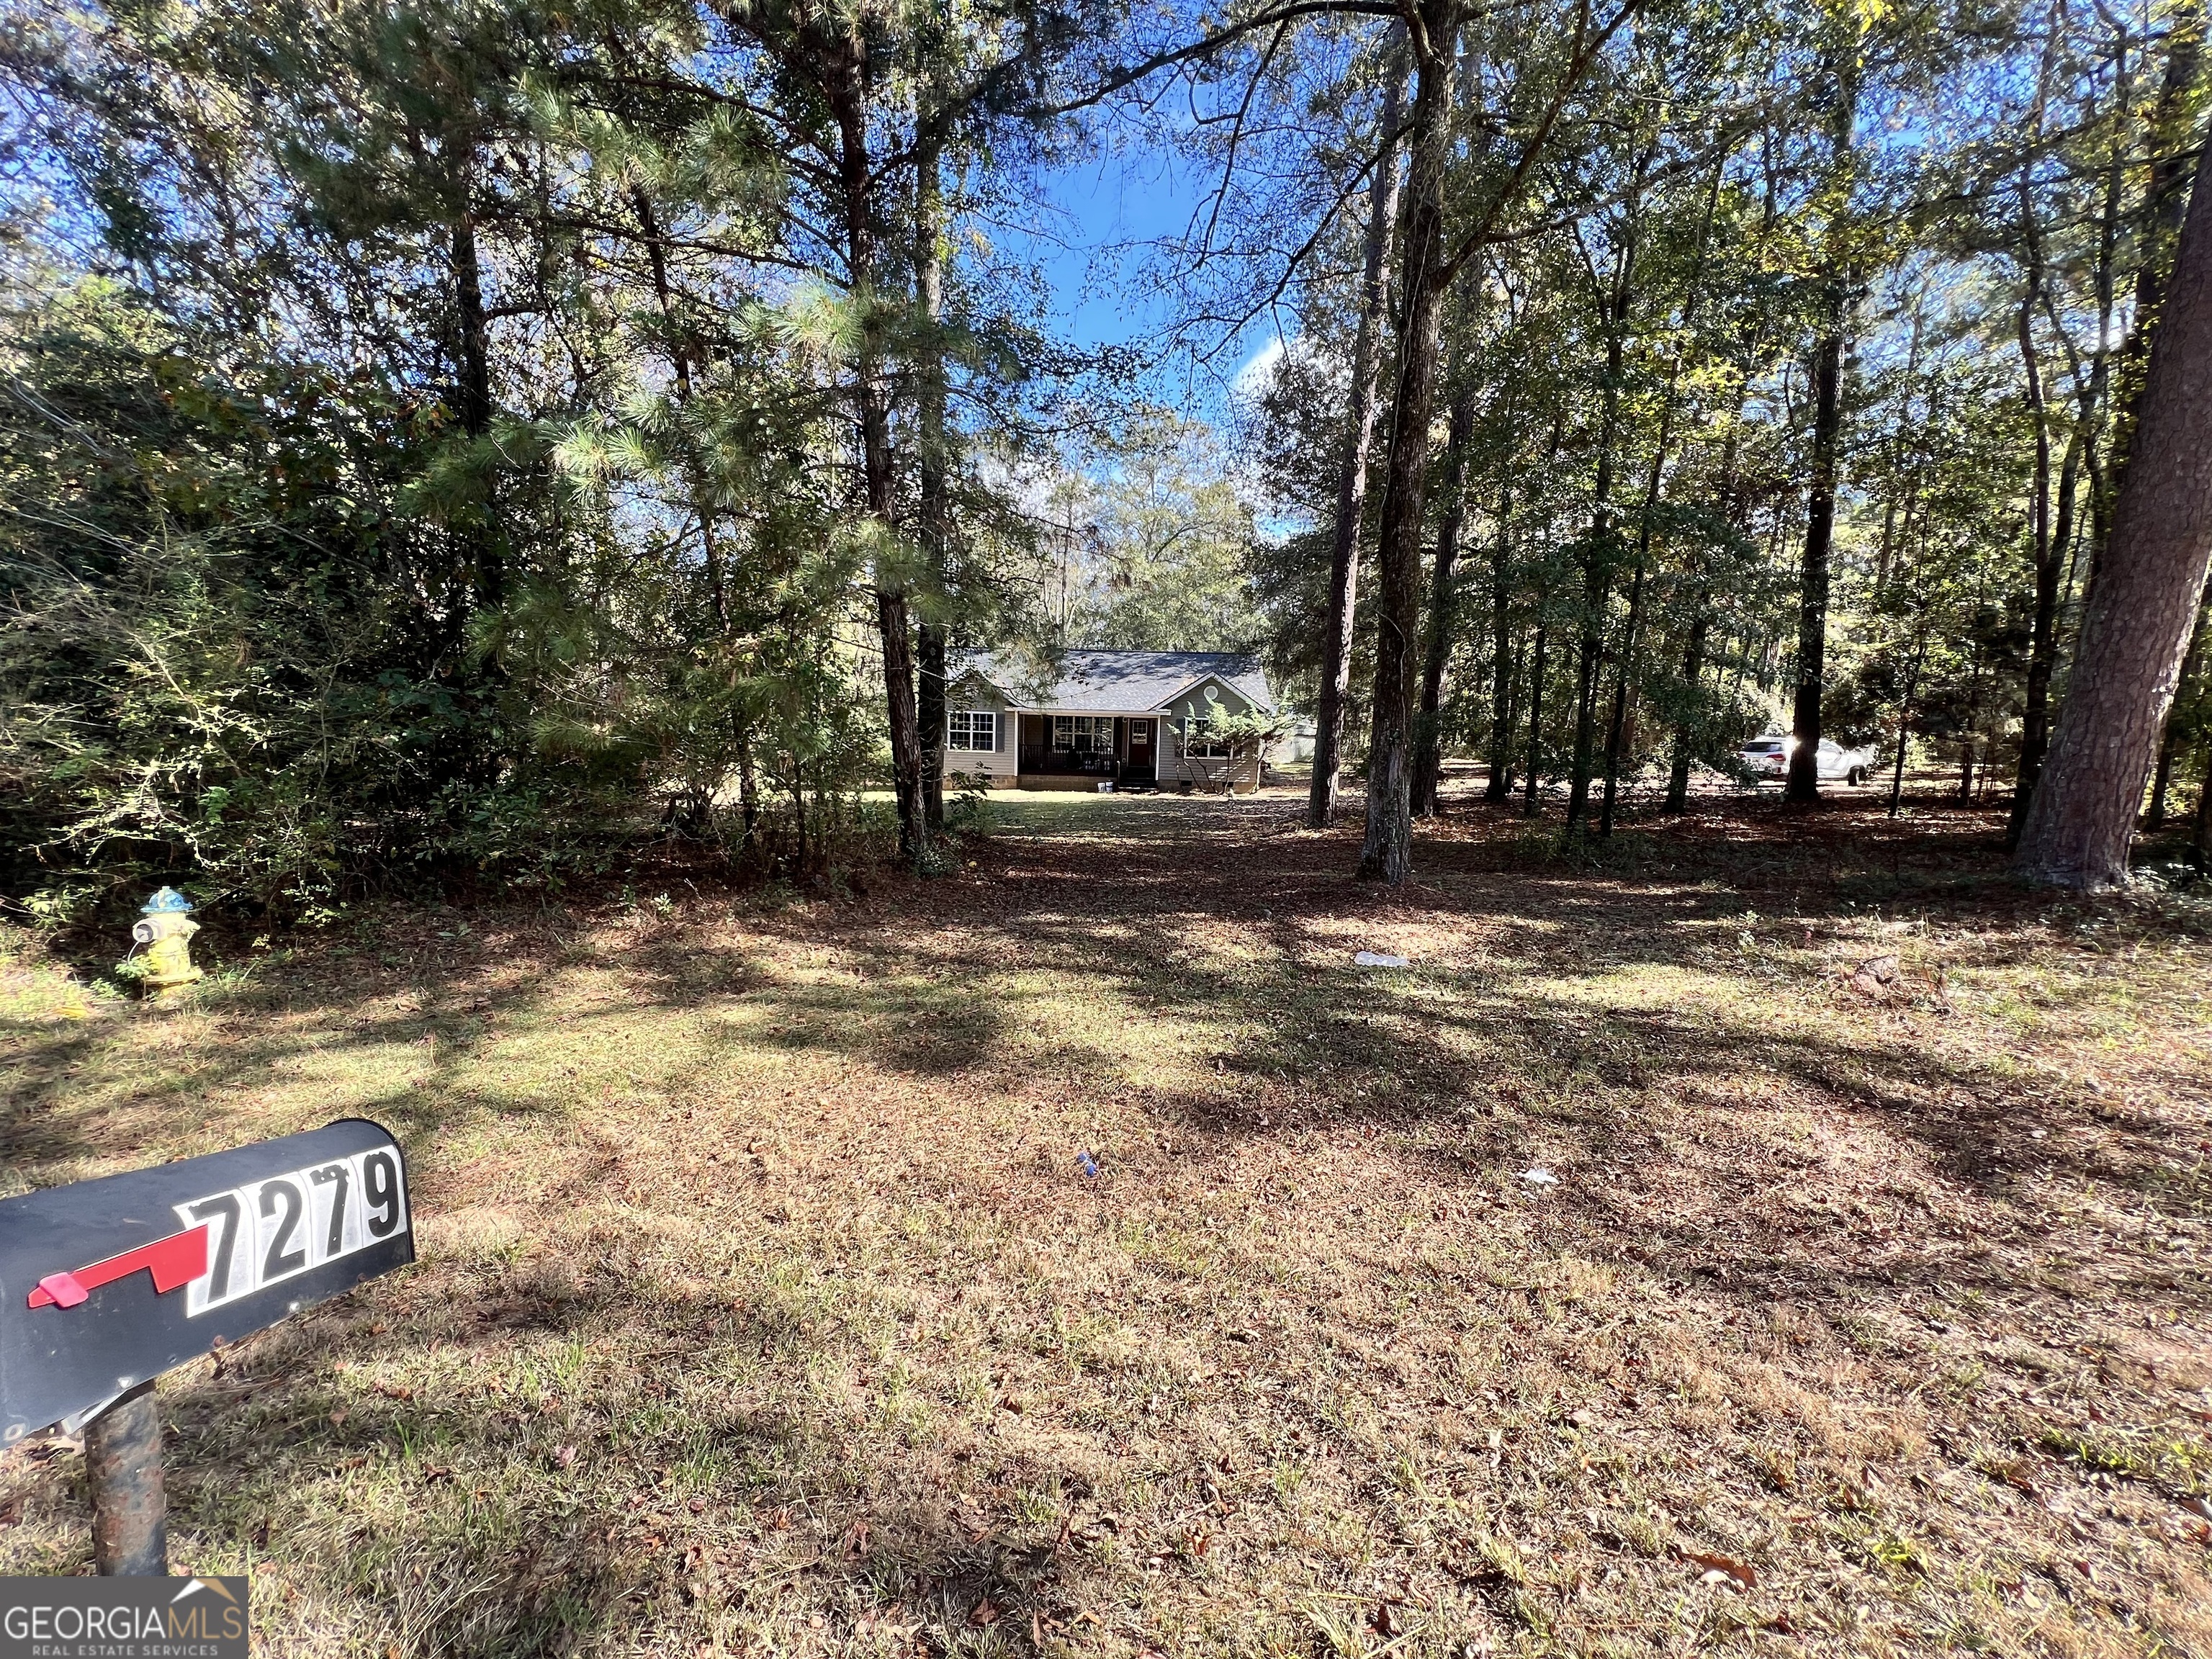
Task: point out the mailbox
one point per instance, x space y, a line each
104 1285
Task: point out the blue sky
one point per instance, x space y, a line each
1113 203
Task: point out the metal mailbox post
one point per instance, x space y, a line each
104 1285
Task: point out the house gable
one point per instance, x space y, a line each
1209 694
980 692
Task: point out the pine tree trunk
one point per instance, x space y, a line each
2043 646
1428 751
679 361
2164 207
929 290
1386 853
475 393
1352 467
1693 652
894 621
2042 638
2081 820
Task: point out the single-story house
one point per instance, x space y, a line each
1138 720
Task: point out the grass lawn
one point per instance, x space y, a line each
764 1309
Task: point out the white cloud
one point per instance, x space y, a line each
1251 380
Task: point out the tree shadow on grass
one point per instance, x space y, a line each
1677 1128
583 1472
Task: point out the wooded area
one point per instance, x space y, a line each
445 441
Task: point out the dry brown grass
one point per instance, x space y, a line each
763 1307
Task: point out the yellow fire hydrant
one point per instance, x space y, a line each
166 931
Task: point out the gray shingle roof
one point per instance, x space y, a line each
1114 681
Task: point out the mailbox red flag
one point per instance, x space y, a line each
177 1259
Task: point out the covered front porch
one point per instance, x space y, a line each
1081 751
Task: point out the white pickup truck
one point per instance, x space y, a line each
1769 757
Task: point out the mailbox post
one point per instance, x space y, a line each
130 1512
104 1285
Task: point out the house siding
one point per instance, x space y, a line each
999 764
1177 768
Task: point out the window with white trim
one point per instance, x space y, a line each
1083 734
972 729
1200 740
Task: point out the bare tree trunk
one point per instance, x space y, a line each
1500 786
2162 780
2081 821
1624 672
1428 751
1693 652
1597 559
1352 467
2065 516
1693 661
2200 839
1803 786
2193 663
929 290
1804 781
1386 853
1904 722
1536 712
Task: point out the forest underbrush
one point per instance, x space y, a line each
1771 1232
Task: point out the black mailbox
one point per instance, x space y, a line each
104 1285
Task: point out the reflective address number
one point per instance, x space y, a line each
268 1231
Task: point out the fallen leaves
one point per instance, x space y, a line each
1722 1570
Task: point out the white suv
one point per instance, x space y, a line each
1769 757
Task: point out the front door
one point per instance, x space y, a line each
1140 749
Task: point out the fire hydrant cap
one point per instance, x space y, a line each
167 902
